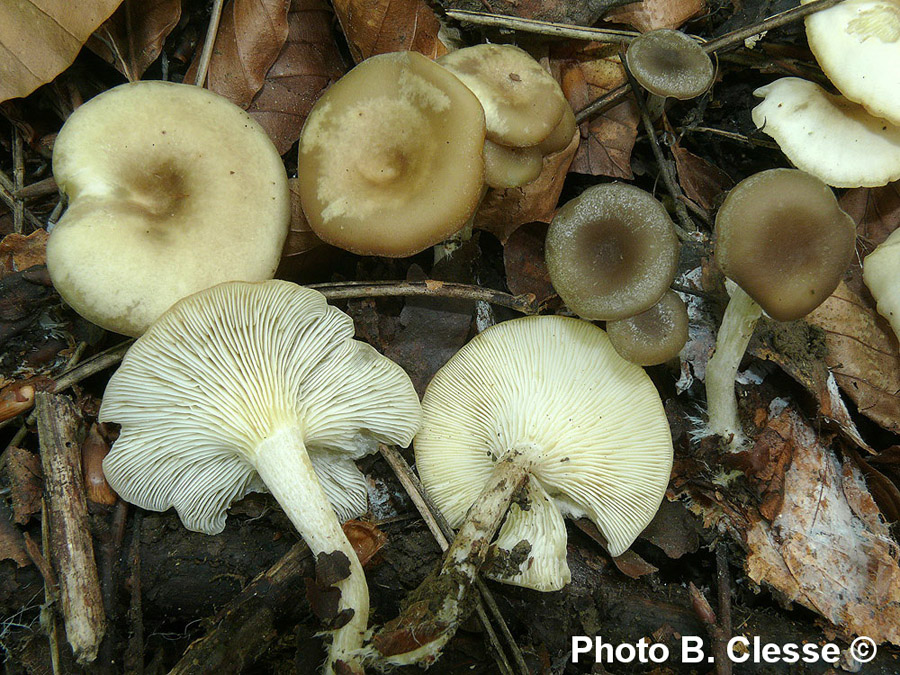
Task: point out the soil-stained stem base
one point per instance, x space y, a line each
437 607
284 466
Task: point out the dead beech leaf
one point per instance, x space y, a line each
19 252
863 354
523 261
307 64
39 40
827 548
502 211
653 14
586 73
26 480
389 26
574 12
132 38
701 181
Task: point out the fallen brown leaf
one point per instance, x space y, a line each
863 354
23 296
701 181
586 73
653 14
365 538
132 38
523 261
39 40
502 211
12 545
573 12
674 530
19 252
26 481
875 210
389 26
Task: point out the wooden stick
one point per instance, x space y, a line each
71 548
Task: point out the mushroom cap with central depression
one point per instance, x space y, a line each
590 424
172 189
390 157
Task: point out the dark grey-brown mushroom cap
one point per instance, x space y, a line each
654 336
612 252
783 238
669 63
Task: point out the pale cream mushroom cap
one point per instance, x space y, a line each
828 136
591 423
857 44
390 158
172 189
881 272
506 167
227 368
522 102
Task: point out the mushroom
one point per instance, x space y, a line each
540 413
654 336
611 252
857 44
522 102
784 241
506 167
246 387
561 136
828 136
390 157
881 272
669 63
172 189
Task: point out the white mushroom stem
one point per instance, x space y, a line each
436 608
284 466
734 335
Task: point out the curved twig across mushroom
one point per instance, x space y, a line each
247 387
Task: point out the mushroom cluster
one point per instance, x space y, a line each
612 253
851 140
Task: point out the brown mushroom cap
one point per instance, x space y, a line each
522 102
612 252
561 136
669 63
654 336
506 167
783 238
390 157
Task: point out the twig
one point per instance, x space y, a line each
134 651
723 586
548 28
718 44
71 550
18 181
525 304
8 196
42 188
51 593
687 225
761 142
210 42
443 534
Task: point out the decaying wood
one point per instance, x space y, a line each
245 627
71 549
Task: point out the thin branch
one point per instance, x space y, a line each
18 181
560 30
42 188
443 534
209 43
524 304
8 196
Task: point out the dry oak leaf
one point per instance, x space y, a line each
828 547
132 38
389 26
653 14
586 73
863 354
19 252
501 212
39 40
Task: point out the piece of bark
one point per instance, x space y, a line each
71 548
246 625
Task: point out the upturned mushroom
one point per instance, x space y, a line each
611 252
784 241
828 136
390 157
248 387
654 336
669 63
506 167
533 420
881 272
172 189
